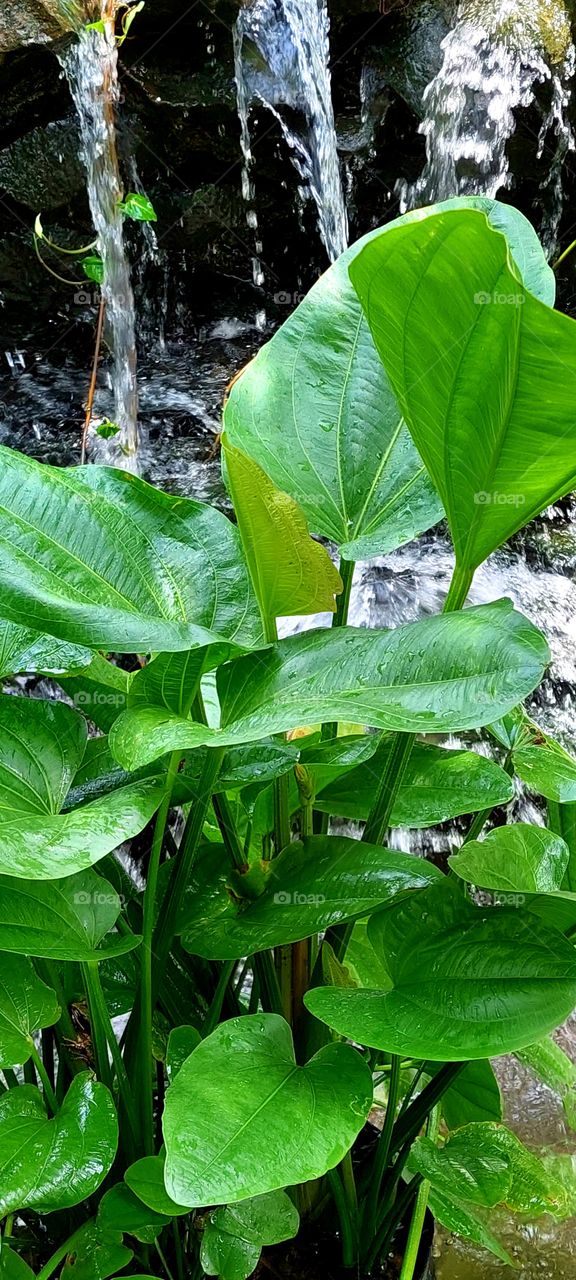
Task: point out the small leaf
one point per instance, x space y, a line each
554 1068
106 429
93 268
234 1235
146 1179
287 1123
121 1210
96 26
96 1254
26 1006
518 859
181 1043
136 206
38 228
291 573
48 1164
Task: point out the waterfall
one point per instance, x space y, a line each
282 61
90 64
493 57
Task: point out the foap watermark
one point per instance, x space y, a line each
283 899
99 698
498 498
497 898
286 299
99 898
499 299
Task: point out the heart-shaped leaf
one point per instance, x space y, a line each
41 746
234 1235
146 1179
121 1210
436 786
316 410
26 1005
291 573
311 885
444 673
518 859
98 557
467 982
61 919
281 1123
487 389
48 1164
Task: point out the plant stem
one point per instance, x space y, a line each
379 817
98 1030
146 1001
49 1095
50 1266
563 255
419 1211
99 1009
458 589
409 1125
269 986
166 927
213 1015
382 1152
339 619
93 376
349 1244
227 827
390 1222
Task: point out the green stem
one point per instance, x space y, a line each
379 817
99 1008
410 1124
382 1153
167 1270
419 1211
166 927
67 1247
213 1015
390 1222
458 589
228 832
563 255
98 1030
49 1095
339 619
349 1245
146 1001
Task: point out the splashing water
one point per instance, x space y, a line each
286 68
90 64
493 57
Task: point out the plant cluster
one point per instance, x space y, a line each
193 1037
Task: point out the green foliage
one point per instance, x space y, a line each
241 937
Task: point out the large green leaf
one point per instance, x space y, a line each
315 408
444 673
23 650
483 372
291 573
242 1119
98 557
41 746
467 982
48 1164
311 885
61 919
26 1005
436 786
234 1235
518 859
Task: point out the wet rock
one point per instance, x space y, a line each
38 21
43 169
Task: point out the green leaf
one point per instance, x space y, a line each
12 1265
453 671
107 430
549 1063
22 650
96 1254
281 1123
486 390
362 961
63 919
93 268
291 573
462 1219
548 770
181 1043
518 859
121 1210
468 982
475 1095
309 886
316 410
437 785
26 1005
48 1164
98 557
487 1164
134 205
234 1235
41 746
146 1179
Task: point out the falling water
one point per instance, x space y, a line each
493 57
90 64
286 67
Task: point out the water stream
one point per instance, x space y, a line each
90 64
282 61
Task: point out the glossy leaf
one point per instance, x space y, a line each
48 1164
281 1123
474 1095
121 1210
26 1005
291 573
467 982
96 1255
135 205
436 786
454 671
98 557
519 859
487 1164
41 746
181 1043
23 650
462 1219
548 770
315 408
309 886
12 1265
64 919
481 437
234 1235
146 1179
